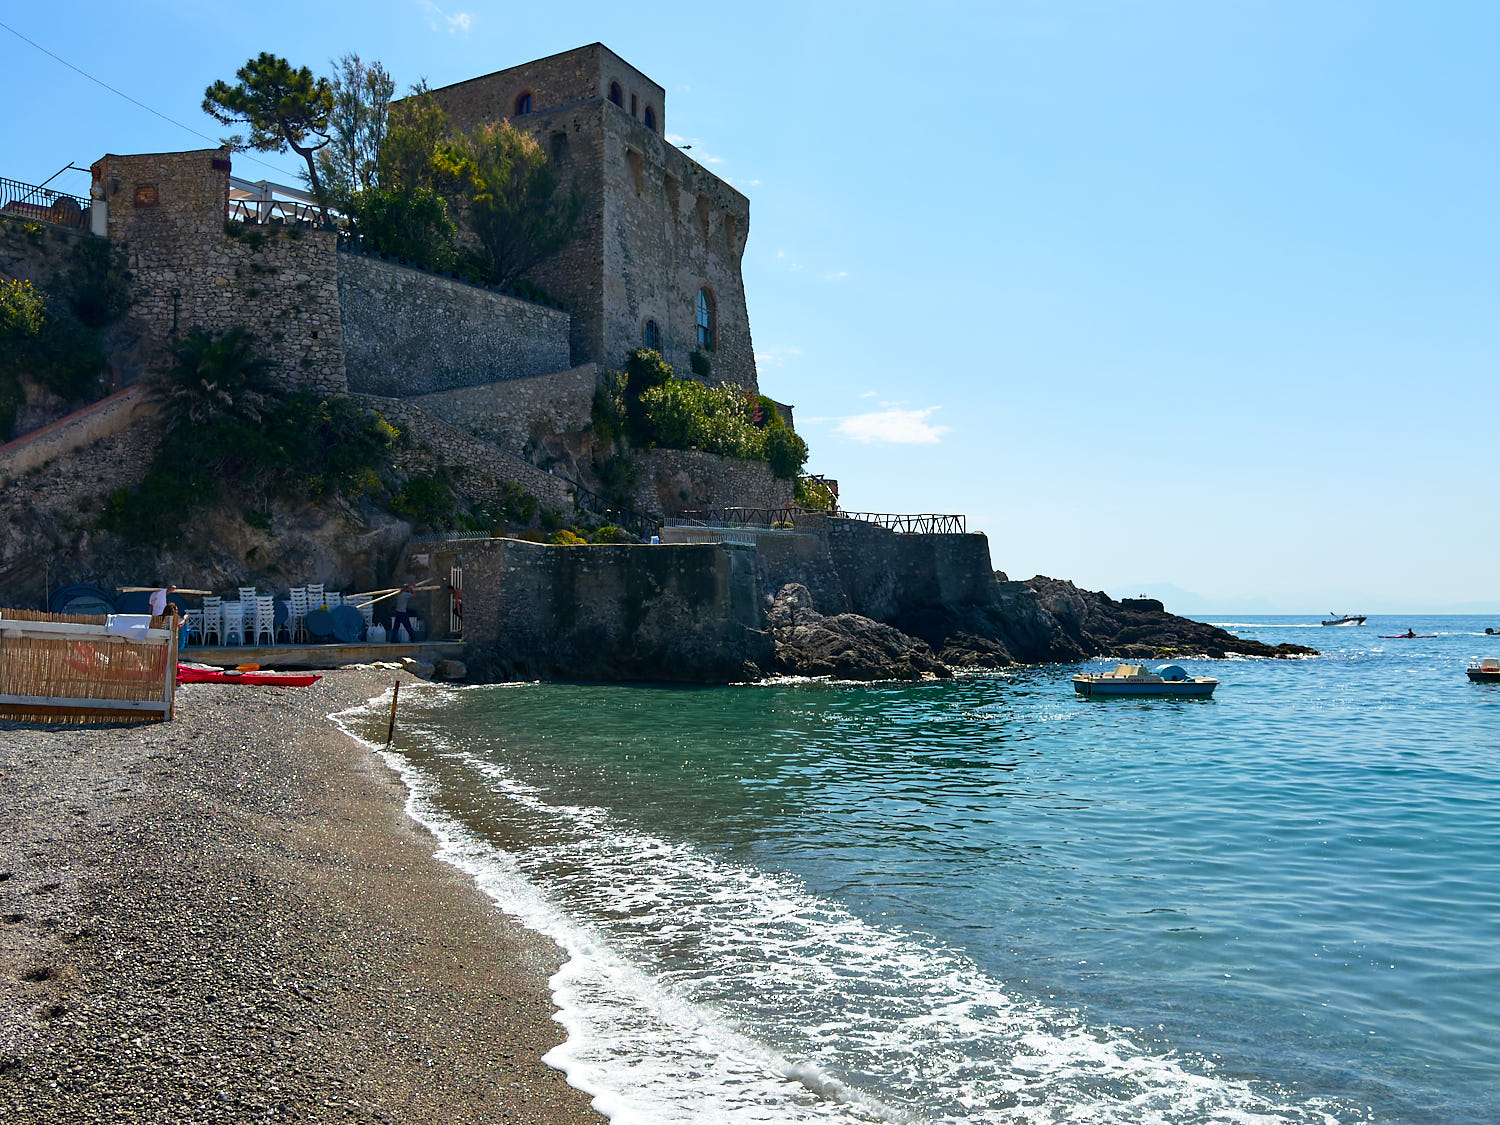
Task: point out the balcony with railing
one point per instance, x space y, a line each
43 205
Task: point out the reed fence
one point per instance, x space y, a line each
70 668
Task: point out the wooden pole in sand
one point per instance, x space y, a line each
390 731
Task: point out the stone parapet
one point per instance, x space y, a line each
674 481
517 413
408 332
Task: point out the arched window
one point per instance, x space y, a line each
523 103
651 336
706 319
650 119
615 95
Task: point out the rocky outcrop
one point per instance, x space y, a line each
845 646
1049 619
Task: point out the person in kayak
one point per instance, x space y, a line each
1411 632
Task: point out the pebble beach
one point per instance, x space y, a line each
229 917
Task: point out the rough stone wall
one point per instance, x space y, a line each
656 226
904 579
432 444
168 211
674 481
671 228
515 414
580 75
104 418
407 332
40 253
685 612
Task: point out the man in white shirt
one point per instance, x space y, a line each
159 600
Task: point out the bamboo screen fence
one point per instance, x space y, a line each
65 668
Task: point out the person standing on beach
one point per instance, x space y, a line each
402 617
159 601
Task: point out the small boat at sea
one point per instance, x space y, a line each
1135 679
1408 636
1345 619
1487 671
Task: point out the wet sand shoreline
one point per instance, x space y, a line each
230 918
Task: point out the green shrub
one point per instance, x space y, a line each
412 225
813 494
607 413
566 538
23 310
684 414
645 370
785 451
96 282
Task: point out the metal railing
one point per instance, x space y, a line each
43 205
637 523
922 523
263 211
778 518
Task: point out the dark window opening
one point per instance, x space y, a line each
651 336
650 119
615 95
559 146
632 105
706 319
523 103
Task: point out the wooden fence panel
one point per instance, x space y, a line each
66 668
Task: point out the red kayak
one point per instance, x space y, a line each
1408 637
229 676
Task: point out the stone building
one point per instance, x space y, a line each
656 259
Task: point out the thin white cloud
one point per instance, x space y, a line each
459 21
867 394
781 253
839 276
675 138
776 357
893 427
706 159
794 267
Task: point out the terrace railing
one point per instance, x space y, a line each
43 205
273 211
922 523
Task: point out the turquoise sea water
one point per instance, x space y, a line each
989 900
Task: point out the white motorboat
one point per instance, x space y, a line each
1135 679
1345 619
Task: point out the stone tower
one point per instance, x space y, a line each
656 259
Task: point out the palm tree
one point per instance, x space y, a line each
213 379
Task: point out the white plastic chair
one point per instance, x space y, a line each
333 599
248 594
194 618
314 596
234 623
265 619
299 614
213 619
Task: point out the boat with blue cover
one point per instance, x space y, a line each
1135 679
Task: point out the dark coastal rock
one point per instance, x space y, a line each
845 646
1094 624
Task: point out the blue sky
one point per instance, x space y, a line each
1192 293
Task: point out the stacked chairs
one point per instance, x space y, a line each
248 595
300 607
333 600
265 619
314 596
234 623
213 619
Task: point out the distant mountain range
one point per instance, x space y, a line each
1184 602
